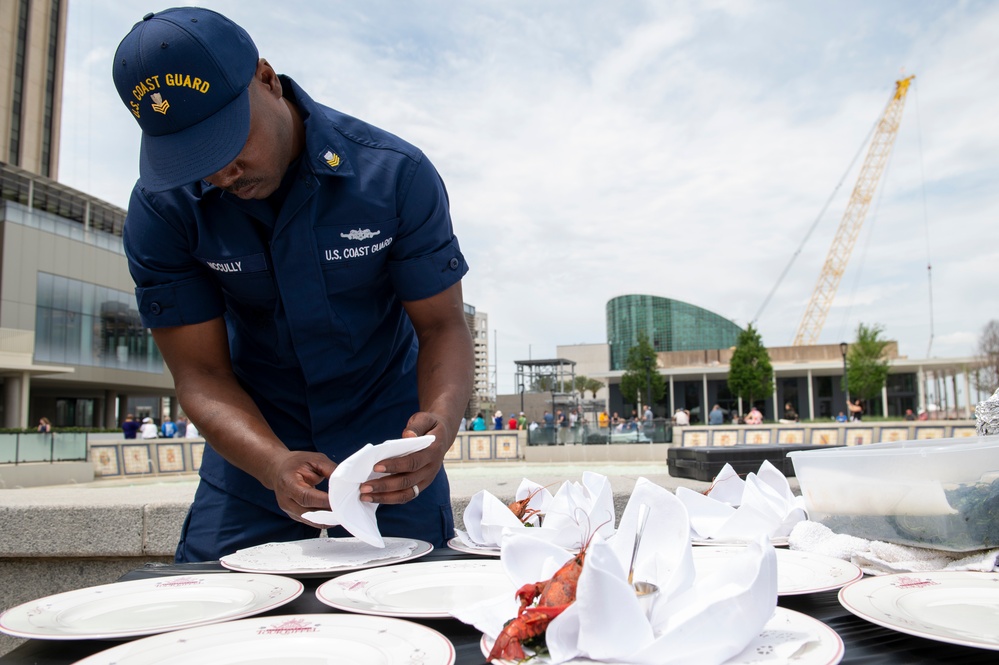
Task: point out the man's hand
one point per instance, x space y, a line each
414 470
294 479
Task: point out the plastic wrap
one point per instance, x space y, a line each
987 415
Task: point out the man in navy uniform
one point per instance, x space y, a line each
301 278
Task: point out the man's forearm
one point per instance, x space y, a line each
445 373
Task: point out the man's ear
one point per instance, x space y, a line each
268 77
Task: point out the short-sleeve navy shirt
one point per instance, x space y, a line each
311 292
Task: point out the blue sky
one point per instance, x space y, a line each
680 149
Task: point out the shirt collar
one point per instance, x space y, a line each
325 152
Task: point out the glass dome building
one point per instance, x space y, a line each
671 325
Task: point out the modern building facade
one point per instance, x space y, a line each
809 377
72 348
32 45
483 391
669 325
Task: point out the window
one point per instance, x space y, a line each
85 324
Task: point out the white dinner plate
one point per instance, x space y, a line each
776 541
958 607
304 639
145 607
797 572
420 590
317 556
822 645
460 545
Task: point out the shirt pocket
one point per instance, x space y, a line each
245 279
355 254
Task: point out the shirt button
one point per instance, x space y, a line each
454 264
155 308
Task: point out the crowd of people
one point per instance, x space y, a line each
148 429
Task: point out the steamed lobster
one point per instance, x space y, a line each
520 509
553 596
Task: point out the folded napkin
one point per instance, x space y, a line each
346 507
578 510
487 518
743 510
606 623
875 557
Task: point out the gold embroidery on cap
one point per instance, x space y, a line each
160 105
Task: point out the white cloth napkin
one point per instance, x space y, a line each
346 507
606 622
875 557
577 510
740 511
486 518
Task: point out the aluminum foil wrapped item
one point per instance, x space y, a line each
987 416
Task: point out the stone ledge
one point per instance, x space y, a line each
93 522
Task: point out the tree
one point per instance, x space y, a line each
987 378
866 364
642 373
593 385
544 383
750 373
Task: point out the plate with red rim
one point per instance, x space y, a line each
954 606
797 572
299 638
460 545
423 589
148 606
820 644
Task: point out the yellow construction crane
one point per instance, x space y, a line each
849 228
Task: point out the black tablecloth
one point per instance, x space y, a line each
865 642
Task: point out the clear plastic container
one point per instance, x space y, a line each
939 493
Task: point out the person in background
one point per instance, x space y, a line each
856 410
841 418
130 426
909 415
716 416
192 431
44 425
168 429
479 422
181 424
790 415
521 421
498 420
148 429
603 420
754 417
512 423
681 418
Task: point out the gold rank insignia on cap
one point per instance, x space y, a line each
160 105
332 159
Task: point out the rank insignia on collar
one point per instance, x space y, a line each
332 159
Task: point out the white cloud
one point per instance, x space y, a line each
594 149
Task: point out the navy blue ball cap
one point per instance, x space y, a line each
184 73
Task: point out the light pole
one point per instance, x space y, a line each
846 379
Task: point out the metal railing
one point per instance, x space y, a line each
23 448
41 193
659 430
